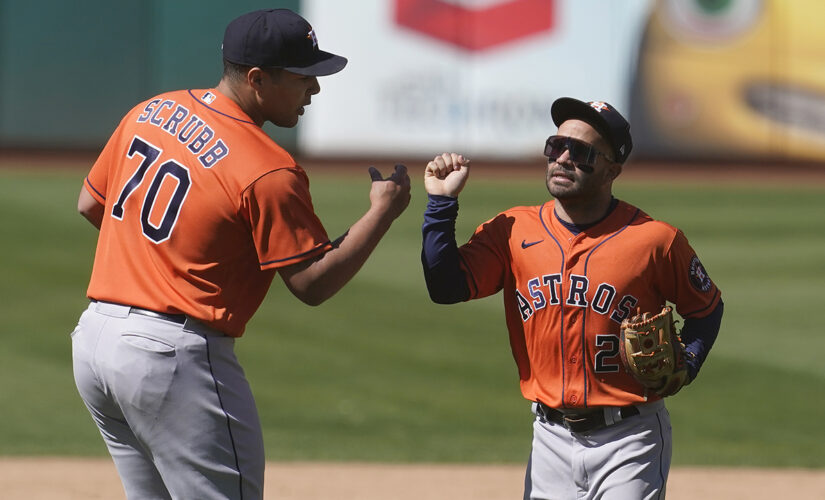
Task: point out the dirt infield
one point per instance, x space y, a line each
92 479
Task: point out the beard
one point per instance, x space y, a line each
566 184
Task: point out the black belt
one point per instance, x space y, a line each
581 421
174 318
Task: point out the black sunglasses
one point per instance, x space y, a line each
581 153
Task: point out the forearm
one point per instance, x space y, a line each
698 336
446 281
318 280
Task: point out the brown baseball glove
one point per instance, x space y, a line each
653 352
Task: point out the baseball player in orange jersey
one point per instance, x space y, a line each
571 270
198 210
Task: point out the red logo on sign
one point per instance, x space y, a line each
476 28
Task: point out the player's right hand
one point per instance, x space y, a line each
390 195
446 174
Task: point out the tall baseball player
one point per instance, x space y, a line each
575 271
198 210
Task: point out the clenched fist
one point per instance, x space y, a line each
446 174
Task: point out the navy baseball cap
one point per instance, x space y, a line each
608 122
278 38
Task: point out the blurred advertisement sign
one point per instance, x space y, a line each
741 79
478 77
478 25
734 79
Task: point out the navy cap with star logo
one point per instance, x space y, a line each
278 38
602 116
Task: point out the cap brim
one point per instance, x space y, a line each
567 108
325 63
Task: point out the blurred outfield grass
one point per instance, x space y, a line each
378 373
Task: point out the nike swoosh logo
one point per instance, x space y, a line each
524 243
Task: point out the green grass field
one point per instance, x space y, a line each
378 373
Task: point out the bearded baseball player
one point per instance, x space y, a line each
198 210
586 281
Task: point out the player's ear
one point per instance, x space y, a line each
255 78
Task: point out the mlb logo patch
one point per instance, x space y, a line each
208 97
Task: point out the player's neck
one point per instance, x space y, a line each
583 211
239 98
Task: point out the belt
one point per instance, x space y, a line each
174 318
580 421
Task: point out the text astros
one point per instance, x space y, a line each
547 290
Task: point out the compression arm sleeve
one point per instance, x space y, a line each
446 281
698 334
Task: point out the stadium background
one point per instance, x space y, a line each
378 374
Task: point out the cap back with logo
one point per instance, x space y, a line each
278 38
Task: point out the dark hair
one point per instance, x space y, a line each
236 73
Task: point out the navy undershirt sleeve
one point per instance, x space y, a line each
698 335
446 281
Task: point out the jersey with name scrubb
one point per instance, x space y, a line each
565 295
201 208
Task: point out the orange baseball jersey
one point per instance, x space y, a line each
201 208
566 295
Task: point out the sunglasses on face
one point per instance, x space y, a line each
581 153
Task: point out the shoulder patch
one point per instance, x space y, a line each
698 276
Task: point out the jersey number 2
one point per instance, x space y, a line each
170 168
602 365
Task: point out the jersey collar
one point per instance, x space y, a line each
219 103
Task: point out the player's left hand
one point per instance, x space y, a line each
446 174
653 353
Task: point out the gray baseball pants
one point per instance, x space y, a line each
172 404
628 460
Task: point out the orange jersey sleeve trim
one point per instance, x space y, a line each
323 247
94 192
